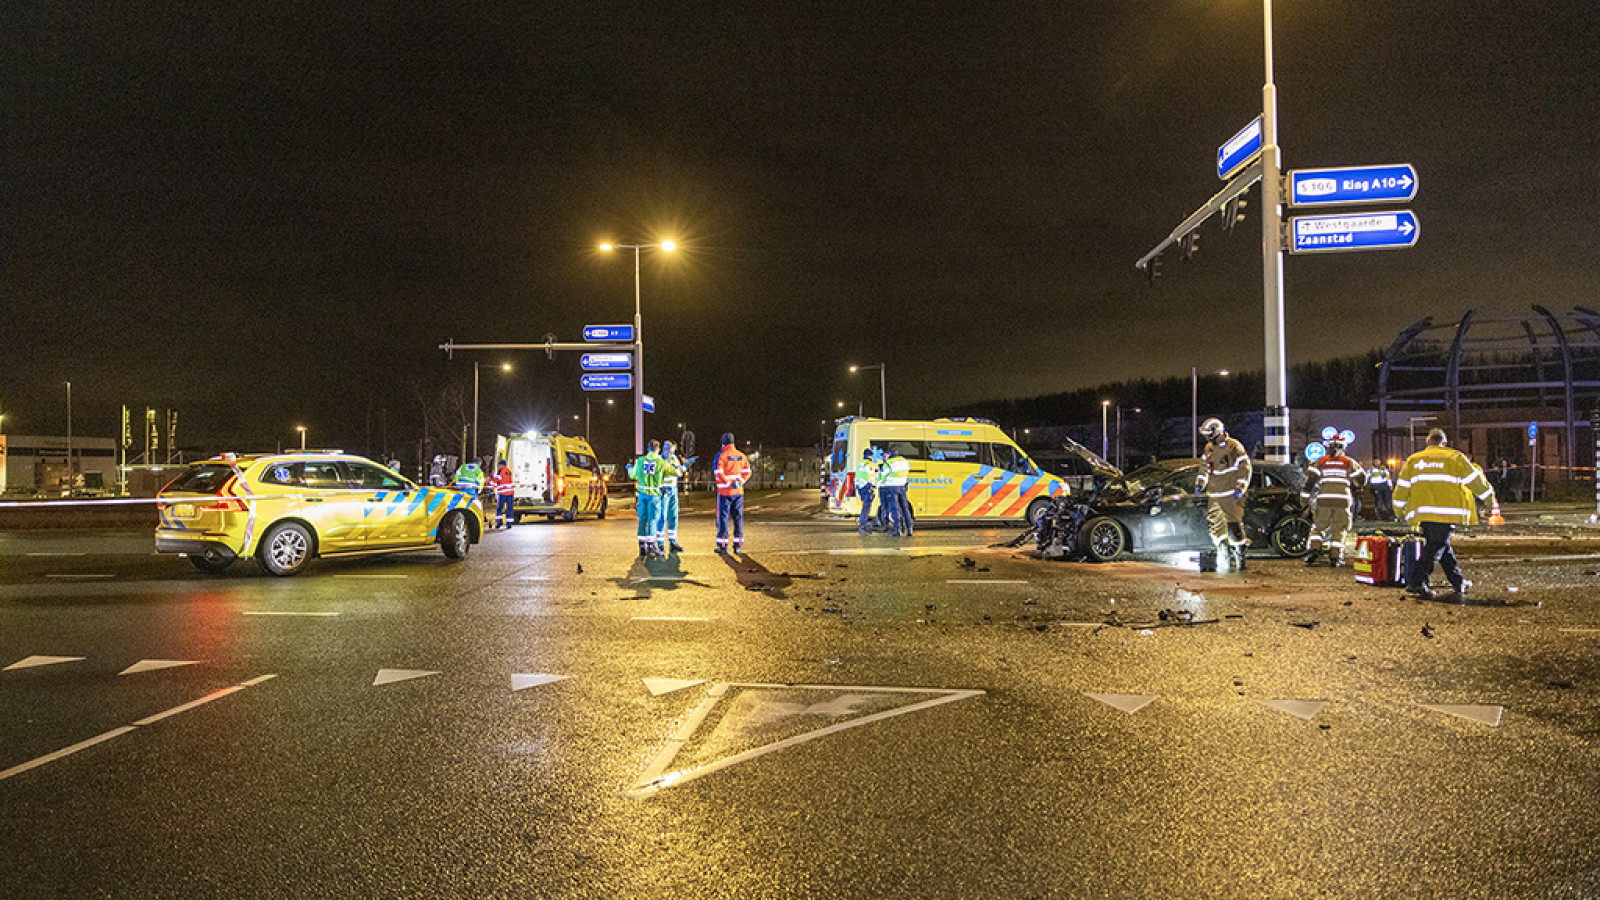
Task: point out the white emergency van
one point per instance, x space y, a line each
552 475
960 469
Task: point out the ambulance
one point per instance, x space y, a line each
961 469
552 475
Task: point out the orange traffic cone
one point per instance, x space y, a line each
1494 514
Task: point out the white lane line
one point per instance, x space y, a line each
1579 630
118 732
986 581
56 553
669 619
78 575
372 576
278 612
534 578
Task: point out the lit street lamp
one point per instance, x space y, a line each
1194 409
1105 434
1119 431
638 339
504 367
302 430
859 413
883 389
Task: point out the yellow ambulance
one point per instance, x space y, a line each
961 469
552 475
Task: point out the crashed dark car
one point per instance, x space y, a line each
1153 509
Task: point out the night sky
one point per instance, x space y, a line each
265 214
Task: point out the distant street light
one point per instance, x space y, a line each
638 339
883 384
1119 432
69 434
1105 442
504 367
1194 409
859 412
302 430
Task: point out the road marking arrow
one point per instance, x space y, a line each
659 686
1300 709
520 681
390 676
150 665
32 661
1128 703
1488 715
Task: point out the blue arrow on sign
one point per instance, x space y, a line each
608 332
1368 231
1352 184
603 362
611 381
1239 150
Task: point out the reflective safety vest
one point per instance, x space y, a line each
899 470
1438 484
1227 469
866 474
648 471
1378 475
503 485
670 479
1331 480
732 471
469 478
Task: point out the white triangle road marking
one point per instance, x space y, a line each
32 661
522 680
1128 703
1300 709
1488 715
389 676
659 686
151 665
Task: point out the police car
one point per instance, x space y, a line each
285 509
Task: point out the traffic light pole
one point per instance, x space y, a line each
1275 418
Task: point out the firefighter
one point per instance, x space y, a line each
1224 479
1330 489
647 472
667 518
732 470
1435 490
1382 490
866 487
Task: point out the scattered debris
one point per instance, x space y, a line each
1561 685
580 568
1146 633
1349 602
832 609
1306 625
967 562
1427 631
931 606
1030 602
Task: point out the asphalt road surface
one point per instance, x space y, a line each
825 716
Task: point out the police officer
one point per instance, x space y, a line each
1435 490
1382 490
866 486
1330 489
1224 479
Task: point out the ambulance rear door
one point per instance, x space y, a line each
530 462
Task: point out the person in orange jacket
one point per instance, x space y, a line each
732 470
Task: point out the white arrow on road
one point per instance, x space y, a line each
32 661
150 665
522 680
390 676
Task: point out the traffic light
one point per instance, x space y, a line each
1190 244
1233 212
1152 269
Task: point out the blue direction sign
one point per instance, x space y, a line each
1368 231
610 381
649 403
1239 150
606 362
608 332
1352 184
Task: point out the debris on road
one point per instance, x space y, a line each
1427 631
1306 625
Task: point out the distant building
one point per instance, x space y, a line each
35 464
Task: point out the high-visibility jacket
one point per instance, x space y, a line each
647 472
1227 469
1331 480
469 478
670 479
1438 484
866 474
1378 475
899 471
503 485
732 470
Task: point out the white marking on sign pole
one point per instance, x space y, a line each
390 676
32 661
1300 709
1488 715
1128 703
659 686
523 680
151 665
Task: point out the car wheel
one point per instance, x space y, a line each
1037 509
1103 539
572 511
286 549
210 562
602 513
455 538
1292 536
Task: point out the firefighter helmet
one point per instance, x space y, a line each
1212 429
1335 447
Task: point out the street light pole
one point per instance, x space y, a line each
883 384
302 430
1275 418
1105 446
69 435
638 339
504 367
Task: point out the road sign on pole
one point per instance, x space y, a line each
1391 230
1352 184
620 333
605 362
649 403
610 381
1239 150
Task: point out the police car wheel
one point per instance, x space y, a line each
286 549
454 537
1037 510
1103 539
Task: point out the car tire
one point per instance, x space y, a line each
572 511
1291 537
210 562
455 536
1036 511
286 549
1102 539
602 513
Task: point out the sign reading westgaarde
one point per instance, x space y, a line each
1368 231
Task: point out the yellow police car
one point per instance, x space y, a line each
285 509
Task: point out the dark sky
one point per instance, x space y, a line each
269 213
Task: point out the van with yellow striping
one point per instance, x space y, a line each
961 469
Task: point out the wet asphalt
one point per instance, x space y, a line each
837 717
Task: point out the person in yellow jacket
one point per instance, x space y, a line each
1437 489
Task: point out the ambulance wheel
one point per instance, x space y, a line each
1292 536
286 549
572 511
210 561
1102 539
1037 510
602 513
455 536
